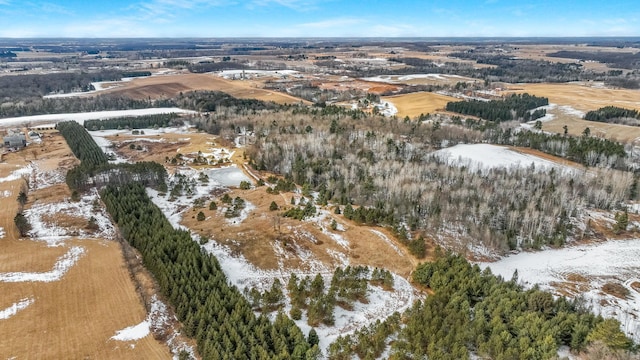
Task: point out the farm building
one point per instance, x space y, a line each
15 141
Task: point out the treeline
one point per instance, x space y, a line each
614 114
82 144
514 107
586 150
474 312
134 122
210 66
203 101
76 105
215 314
623 60
29 86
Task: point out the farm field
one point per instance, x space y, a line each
415 104
166 86
64 296
581 97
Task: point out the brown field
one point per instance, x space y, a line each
75 317
584 98
255 236
418 103
165 86
580 96
540 52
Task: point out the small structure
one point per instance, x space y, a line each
15 141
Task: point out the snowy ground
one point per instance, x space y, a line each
487 156
614 261
395 79
64 263
81 117
157 321
13 309
387 108
248 74
55 235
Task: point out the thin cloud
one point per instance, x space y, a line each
298 5
332 23
55 9
162 10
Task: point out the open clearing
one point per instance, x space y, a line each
418 103
580 96
63 301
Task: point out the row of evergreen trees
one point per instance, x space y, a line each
134 122
213 312
514 107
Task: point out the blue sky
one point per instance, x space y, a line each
317 18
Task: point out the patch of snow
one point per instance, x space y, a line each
53 234
17 174
487 156
5 193
612 261
244 214
13 309
248 74
571 111
135 332
81 117
227 176
387 108
2 233
64 263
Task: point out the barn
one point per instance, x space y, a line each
15 141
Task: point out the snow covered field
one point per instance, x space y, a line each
486 156
614 261
248 74
395 79
81 117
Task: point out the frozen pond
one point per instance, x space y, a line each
583 271
228 176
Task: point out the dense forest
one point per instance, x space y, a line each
383 171
473 312
515 107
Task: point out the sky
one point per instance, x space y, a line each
318 18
